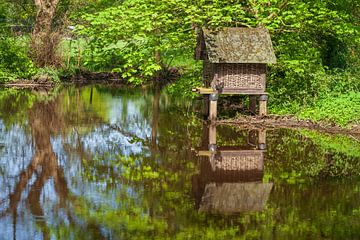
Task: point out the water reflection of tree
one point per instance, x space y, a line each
46 119
44 122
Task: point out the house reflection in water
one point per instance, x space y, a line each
230 178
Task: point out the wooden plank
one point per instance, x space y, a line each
204 90
229 91
205 153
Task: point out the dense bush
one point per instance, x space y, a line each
14 61
342 109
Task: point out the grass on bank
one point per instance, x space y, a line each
343 109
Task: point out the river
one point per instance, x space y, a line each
100 162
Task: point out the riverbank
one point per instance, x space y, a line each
331 113
290 122
313 121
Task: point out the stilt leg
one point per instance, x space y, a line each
212 134
262 139
213 107
263 105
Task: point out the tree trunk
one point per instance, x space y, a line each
45 14
44 39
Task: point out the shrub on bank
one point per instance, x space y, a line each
343 109
14 61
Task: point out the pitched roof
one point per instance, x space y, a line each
239 45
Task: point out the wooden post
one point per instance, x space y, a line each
213 107
212 142
213 110
262 139
212 134
263 105
262 108
252 104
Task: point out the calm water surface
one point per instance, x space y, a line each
103 163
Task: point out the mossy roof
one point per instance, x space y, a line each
239 45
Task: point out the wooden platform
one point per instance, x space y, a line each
225 153
207 91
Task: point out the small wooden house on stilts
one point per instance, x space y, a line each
235 62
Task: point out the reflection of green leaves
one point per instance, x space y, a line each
292 177
335 143
310 155
127 221
14 105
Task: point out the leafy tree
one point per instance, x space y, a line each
310 37
132 37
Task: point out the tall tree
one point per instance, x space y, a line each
45 39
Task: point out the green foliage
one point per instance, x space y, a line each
338 144
189 69
20 13
316 42
48 73
14 62
127 38
343 109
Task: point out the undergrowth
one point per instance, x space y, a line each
343 109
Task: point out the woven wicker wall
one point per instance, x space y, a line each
240 162
212 171
233 77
